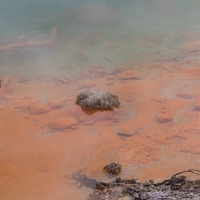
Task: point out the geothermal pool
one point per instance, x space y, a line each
145 53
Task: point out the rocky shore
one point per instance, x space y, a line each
177 187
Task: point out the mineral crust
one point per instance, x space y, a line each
97 99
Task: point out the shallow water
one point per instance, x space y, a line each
146 53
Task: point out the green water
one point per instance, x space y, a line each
135 21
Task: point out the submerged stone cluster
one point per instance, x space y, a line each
97 99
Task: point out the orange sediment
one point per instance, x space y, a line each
45 137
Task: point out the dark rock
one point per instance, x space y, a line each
113 168
102 186
126 181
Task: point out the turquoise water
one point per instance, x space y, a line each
125 26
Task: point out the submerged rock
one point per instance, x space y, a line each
97 99
63 123
38 109
83 180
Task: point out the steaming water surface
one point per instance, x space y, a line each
147 53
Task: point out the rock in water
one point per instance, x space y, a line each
113 168
97 99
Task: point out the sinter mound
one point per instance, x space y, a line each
97 99
175 188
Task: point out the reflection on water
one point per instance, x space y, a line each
145 53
